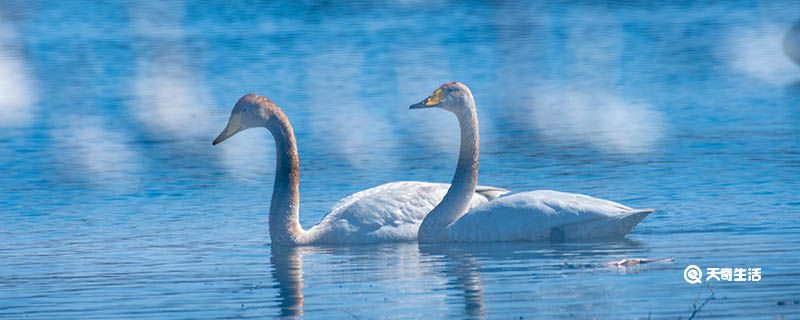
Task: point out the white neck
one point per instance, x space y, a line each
456 202
284 217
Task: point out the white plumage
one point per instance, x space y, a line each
545 215
390 212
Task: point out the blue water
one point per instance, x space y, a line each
114 204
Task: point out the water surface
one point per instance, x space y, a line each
114 204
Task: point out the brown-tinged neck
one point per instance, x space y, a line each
284 219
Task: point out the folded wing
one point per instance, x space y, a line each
545 215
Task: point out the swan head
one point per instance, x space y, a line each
452 96
250 111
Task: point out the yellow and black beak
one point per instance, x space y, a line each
433 101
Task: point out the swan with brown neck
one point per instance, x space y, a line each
391 212
527 216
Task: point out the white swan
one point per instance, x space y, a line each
791 43
387 213
526 216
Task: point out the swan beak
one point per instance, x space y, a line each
418 105
429 102
234 126
432 101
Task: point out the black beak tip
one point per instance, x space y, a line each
419 105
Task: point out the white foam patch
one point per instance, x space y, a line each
168 98
100 153
169 101
758 53
17 96
249 155
598 118
577 106
360 135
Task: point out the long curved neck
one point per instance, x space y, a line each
284 218
456 202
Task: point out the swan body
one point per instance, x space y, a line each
544 215
527 216
390 212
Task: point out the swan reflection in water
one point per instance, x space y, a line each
460 265
287 271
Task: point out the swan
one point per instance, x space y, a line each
526 216
791 43
390 212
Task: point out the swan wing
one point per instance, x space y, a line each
545 215
490 193
389 212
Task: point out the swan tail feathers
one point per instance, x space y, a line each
630 220
603 228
